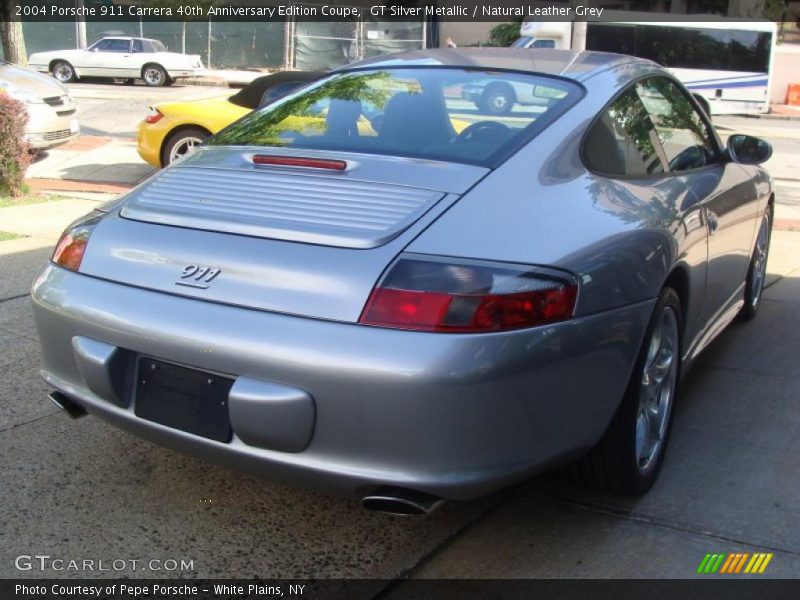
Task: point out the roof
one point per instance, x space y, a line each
565 63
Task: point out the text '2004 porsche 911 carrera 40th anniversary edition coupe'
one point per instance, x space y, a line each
406 313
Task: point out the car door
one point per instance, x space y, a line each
92 58
114 59
724 189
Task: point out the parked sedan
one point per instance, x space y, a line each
120 57
174 129
414 313
52 119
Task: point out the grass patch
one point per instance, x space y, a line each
6 201
5 236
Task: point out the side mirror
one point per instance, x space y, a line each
748 150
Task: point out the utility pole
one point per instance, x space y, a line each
80 26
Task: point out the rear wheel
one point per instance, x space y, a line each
154 76
63 72
757 273
181 144
629 456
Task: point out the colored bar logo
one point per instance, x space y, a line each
736 562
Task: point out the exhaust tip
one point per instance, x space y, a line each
69 406
401 502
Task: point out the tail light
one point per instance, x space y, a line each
434 295
154 116
72 245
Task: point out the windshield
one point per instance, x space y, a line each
458 115
158 46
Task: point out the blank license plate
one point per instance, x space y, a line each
185 399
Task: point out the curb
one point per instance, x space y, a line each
774 117
71 185
209 82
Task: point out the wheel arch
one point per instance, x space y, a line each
175 130
153 64
678 280
51 65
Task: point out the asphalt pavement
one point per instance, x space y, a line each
80 489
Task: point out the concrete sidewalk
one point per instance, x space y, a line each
93 161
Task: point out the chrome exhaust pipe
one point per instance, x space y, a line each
401 501
69 406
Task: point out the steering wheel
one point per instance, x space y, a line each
480 129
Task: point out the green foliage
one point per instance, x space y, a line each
14 156
503 34
269 127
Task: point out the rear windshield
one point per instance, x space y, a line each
458 115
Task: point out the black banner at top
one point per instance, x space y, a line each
349 10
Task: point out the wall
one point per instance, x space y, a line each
784 71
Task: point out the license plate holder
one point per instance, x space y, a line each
187 399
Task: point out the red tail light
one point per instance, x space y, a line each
154 116
438 296
72 245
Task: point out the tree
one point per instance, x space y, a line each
11 35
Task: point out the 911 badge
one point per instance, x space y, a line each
197 276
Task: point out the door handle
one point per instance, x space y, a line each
713 221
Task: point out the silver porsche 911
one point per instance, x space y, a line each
374 288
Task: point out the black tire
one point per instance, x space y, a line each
497 100
180 137
154 76
63 72
754 286
613 464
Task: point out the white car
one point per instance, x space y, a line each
52 114
120 57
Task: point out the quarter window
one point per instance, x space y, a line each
623 141
684 136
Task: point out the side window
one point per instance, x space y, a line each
119 46
623 141
683 134
137 46
102 46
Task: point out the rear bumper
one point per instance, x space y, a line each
150 139
191 72
456 416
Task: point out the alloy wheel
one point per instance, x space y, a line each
183 148
759 272
63 73
153 76
657 389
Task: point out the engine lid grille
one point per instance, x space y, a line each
303 208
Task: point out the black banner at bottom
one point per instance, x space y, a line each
418 589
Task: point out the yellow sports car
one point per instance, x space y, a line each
173 129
